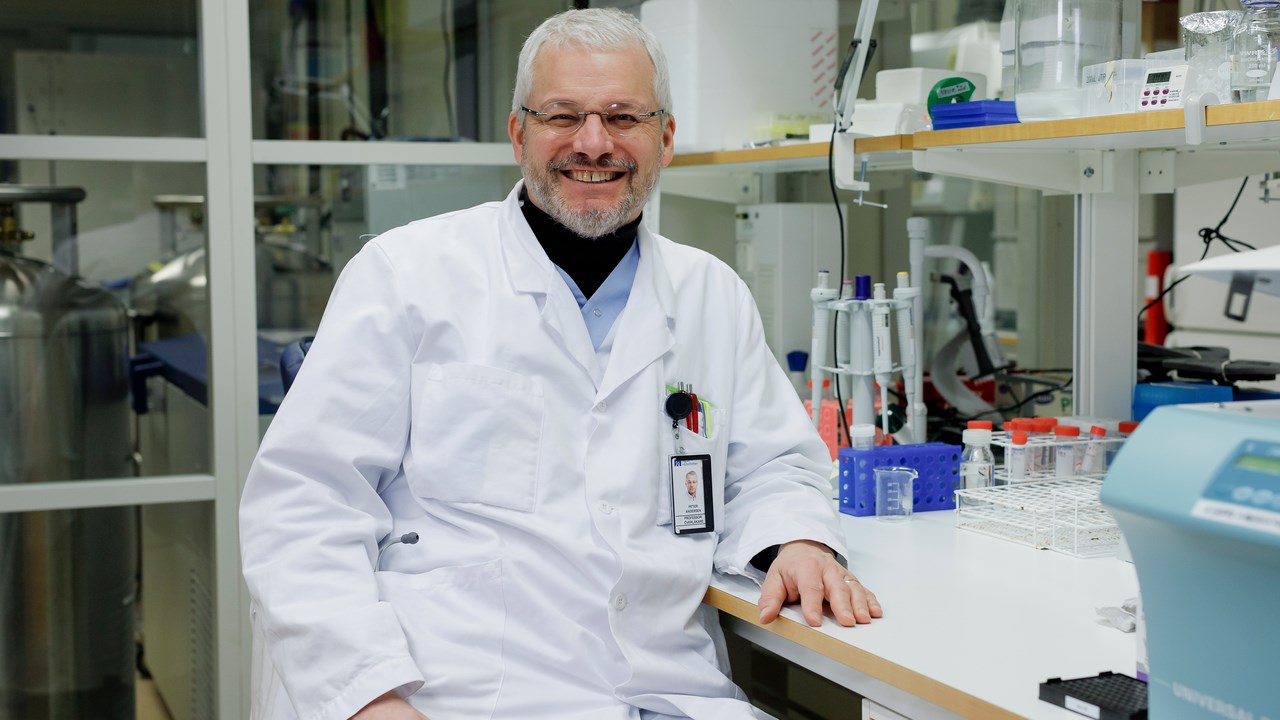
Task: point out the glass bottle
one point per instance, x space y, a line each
1253 50
977 462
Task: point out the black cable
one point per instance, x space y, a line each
1018 405
1207 236
447 32
843 422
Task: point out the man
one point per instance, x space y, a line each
691 483
499 381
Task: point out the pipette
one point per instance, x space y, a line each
882 357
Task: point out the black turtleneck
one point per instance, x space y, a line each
587 261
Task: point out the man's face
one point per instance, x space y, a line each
591 181
691 483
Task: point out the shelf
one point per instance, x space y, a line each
330 152
1090 128
93 147
889 152
1161 129
1219 115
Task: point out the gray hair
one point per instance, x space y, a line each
595 29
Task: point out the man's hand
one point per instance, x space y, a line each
388 706
807 571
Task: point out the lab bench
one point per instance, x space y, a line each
972 624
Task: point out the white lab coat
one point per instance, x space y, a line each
453 390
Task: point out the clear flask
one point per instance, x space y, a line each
977 462
1253 50
1055 41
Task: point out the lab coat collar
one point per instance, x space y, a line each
531 272
644 330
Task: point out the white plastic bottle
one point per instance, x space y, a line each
1016 457
977 462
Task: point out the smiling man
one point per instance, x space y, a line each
525 385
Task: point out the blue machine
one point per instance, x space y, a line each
1196 491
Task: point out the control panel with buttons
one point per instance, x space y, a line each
1163 88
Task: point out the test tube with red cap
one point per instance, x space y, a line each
1069 454
1095 452
1015 464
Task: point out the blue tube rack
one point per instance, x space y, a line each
938 465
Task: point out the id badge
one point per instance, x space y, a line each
691 501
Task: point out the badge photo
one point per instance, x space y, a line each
691 500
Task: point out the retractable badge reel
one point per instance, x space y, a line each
690 475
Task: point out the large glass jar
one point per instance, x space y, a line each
1253 50
1056 40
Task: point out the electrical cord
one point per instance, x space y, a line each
1019 405
1207 236
842 421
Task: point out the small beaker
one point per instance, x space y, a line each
894 486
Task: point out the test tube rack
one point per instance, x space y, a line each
1048 444
1060 514
938 465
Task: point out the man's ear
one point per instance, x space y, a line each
515 131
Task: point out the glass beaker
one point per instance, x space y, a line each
1253 50
1055 40
894 488
1207 39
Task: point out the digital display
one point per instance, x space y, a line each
1160 77
1259 463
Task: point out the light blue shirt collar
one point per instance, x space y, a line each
610 298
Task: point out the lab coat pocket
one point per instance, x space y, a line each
695 444
454 619
476 435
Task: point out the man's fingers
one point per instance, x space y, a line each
772 595
873 604
843 602
865 605
812 595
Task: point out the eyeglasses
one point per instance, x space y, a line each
566 118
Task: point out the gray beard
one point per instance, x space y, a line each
590 224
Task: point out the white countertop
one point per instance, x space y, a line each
972 624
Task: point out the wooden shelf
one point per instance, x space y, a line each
1102 132
805 151
755 155
1052 129
1216 115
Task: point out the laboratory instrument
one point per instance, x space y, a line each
977 464
978 334
1254 44
1196 490
66 576
865 341
894 489
1163 89
1055 41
